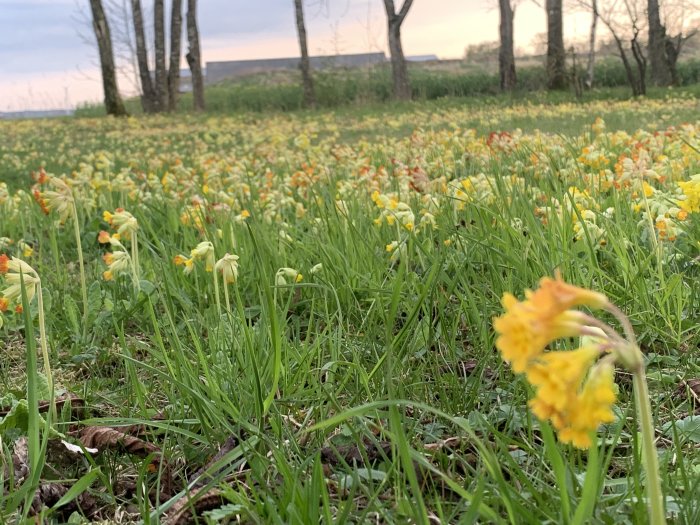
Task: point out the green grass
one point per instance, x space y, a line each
393 360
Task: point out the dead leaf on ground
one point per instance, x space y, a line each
48 494
351 454
20 460
191 506
104 438
75 402
691 388
228 446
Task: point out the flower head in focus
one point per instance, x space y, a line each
122 221
573 389
228 267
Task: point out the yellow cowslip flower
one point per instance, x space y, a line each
591 408
528 326
576 406
287 273
122 221
228 267
204 251
691 190
117 262
15 271
557 377
59 200
27 250
187 262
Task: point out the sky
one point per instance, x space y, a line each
48 56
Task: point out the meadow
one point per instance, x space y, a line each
289 318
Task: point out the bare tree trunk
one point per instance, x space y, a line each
591 45
556 54
641 63
399 69
307 80
159 35
113 101
506 56
194 56
175 51
148 94
673 49
638 86
660 72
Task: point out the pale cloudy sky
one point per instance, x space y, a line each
48 57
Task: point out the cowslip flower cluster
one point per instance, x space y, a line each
14 271
573 389
122 221
118 260
393 211
691 191
227 266
204 251
58 199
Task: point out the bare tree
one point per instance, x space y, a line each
175 52
305 65
161 75
402 86
625 23
556 54
149 101
113 102
591 45
506 56
661 74
194 56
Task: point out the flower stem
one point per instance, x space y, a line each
226 297
135 260
650 460
81 264
45 349
216 293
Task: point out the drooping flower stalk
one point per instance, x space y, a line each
135 261
81 263
62 201
228 267
634 362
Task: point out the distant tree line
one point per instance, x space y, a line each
662 21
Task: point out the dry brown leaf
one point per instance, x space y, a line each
48 494
188 508
74 401
351 454
228 446
690 387
20 460
103 438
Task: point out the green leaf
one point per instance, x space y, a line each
147 287
17 417
94 300
228 511
72 313
688 428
